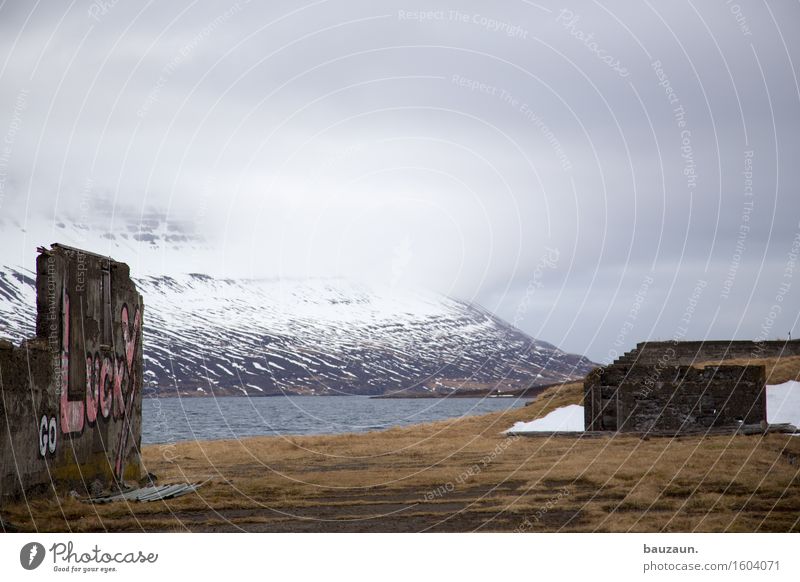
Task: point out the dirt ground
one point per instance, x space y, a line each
456 476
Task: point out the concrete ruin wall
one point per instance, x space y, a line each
659 386
688 353
71 397
674 398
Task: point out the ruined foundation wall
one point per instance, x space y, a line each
659 387
688 353
681 398
71 397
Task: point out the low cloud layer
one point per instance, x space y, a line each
598 175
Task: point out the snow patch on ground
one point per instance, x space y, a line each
783 405
561 419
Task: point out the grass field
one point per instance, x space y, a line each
460 475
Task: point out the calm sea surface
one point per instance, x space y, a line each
167 420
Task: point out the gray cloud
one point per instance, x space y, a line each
436 143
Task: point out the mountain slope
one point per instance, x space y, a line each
318 336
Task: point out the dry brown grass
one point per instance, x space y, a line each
459 475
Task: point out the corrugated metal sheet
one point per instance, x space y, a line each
154 493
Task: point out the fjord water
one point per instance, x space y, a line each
166 420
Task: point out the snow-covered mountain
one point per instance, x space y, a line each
317 336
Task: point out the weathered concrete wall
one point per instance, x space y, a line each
658 386
688 353
71 397
674 398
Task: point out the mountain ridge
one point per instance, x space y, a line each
260 337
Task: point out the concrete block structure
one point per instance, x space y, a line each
71 397
677 387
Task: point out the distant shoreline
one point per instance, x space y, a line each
530 392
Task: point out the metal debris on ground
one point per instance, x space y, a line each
154 493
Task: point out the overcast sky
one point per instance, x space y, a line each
596 173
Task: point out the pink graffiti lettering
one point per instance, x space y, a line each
71 410
131 338
92 397
119 398
110 389
106 378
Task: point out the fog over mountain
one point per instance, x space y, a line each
594 175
